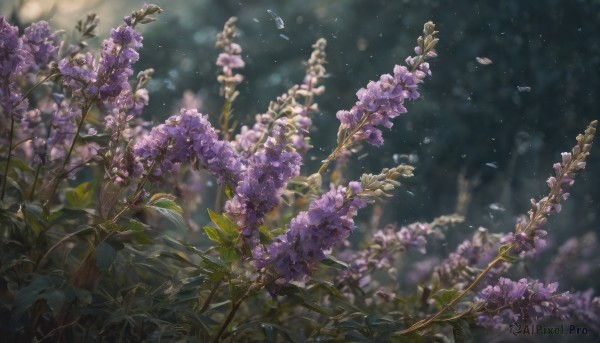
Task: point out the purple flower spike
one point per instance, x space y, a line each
189 138
328 221
12 60
521 302
41 44
261 185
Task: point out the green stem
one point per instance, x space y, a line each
12 128
137 192
213 291
229 318
37 175
84 113
254 287
424 323
10 147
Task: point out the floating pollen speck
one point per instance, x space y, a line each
483 60
278 21
524 89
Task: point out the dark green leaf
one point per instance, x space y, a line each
356 336
81 196
101 138
171 215
461 331
335 263
229 255
105 256
444 296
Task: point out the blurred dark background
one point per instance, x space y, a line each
472 119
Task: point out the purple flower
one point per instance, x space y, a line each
228 60
41 44
521 302
585 307
63 127
189 138
261 185
79 74
12 60
378 104
117 55
328 221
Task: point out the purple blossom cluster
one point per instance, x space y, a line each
188 138
229 59
261 184
383 100
586 307
107 79
80 75
41 44
521 302
117 55
378 104
328 221
12 61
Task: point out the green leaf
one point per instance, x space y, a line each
461 331
503 253
105 256
331 261
213 234
444 296
503 249
224 223
229 255
101 138
82 195
228 192
167 204
173 216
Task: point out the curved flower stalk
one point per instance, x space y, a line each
297 105
328 221
525 235
383 100
386 245
261 184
